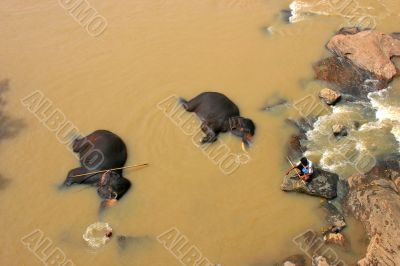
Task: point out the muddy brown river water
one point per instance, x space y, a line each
147 52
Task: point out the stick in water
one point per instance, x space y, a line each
119 168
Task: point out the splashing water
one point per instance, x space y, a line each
387 106
354 12
372 130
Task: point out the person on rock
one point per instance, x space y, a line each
304 169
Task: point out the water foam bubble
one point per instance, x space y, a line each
386 111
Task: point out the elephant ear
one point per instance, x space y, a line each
234 122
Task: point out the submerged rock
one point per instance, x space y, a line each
274 102
295 147
323 184
375 201
339 130
334 218
329 96
4 182
369 50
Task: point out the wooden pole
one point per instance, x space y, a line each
119 168
295 168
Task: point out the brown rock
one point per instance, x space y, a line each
337 239
319 261
373 199
339 130
329 96
369 50
347 78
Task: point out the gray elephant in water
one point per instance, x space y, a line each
219 114
101 150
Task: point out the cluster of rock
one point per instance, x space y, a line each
361 63
374 199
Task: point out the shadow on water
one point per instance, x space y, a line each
9 126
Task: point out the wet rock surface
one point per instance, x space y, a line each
274 103
347 78
375 201
339 130
295 147
334 217
323 184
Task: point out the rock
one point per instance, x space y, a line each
319 261
4 182
347 78
323 184
295 260
329 96
335 238
334 218
369 50
339 130
295 147
274 102
285 15
124 242
373 199
349 30
395 35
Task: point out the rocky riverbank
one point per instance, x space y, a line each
361 63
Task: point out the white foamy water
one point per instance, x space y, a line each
387 112
354 13
302 9
369 135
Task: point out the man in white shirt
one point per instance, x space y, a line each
304 169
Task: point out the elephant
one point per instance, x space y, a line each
99 151
219 114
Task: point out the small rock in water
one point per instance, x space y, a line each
319 261
275 102
339 130
295 260
286 14
330 96
333 238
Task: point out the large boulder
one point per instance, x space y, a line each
323 184
375 201
369 50
341 74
